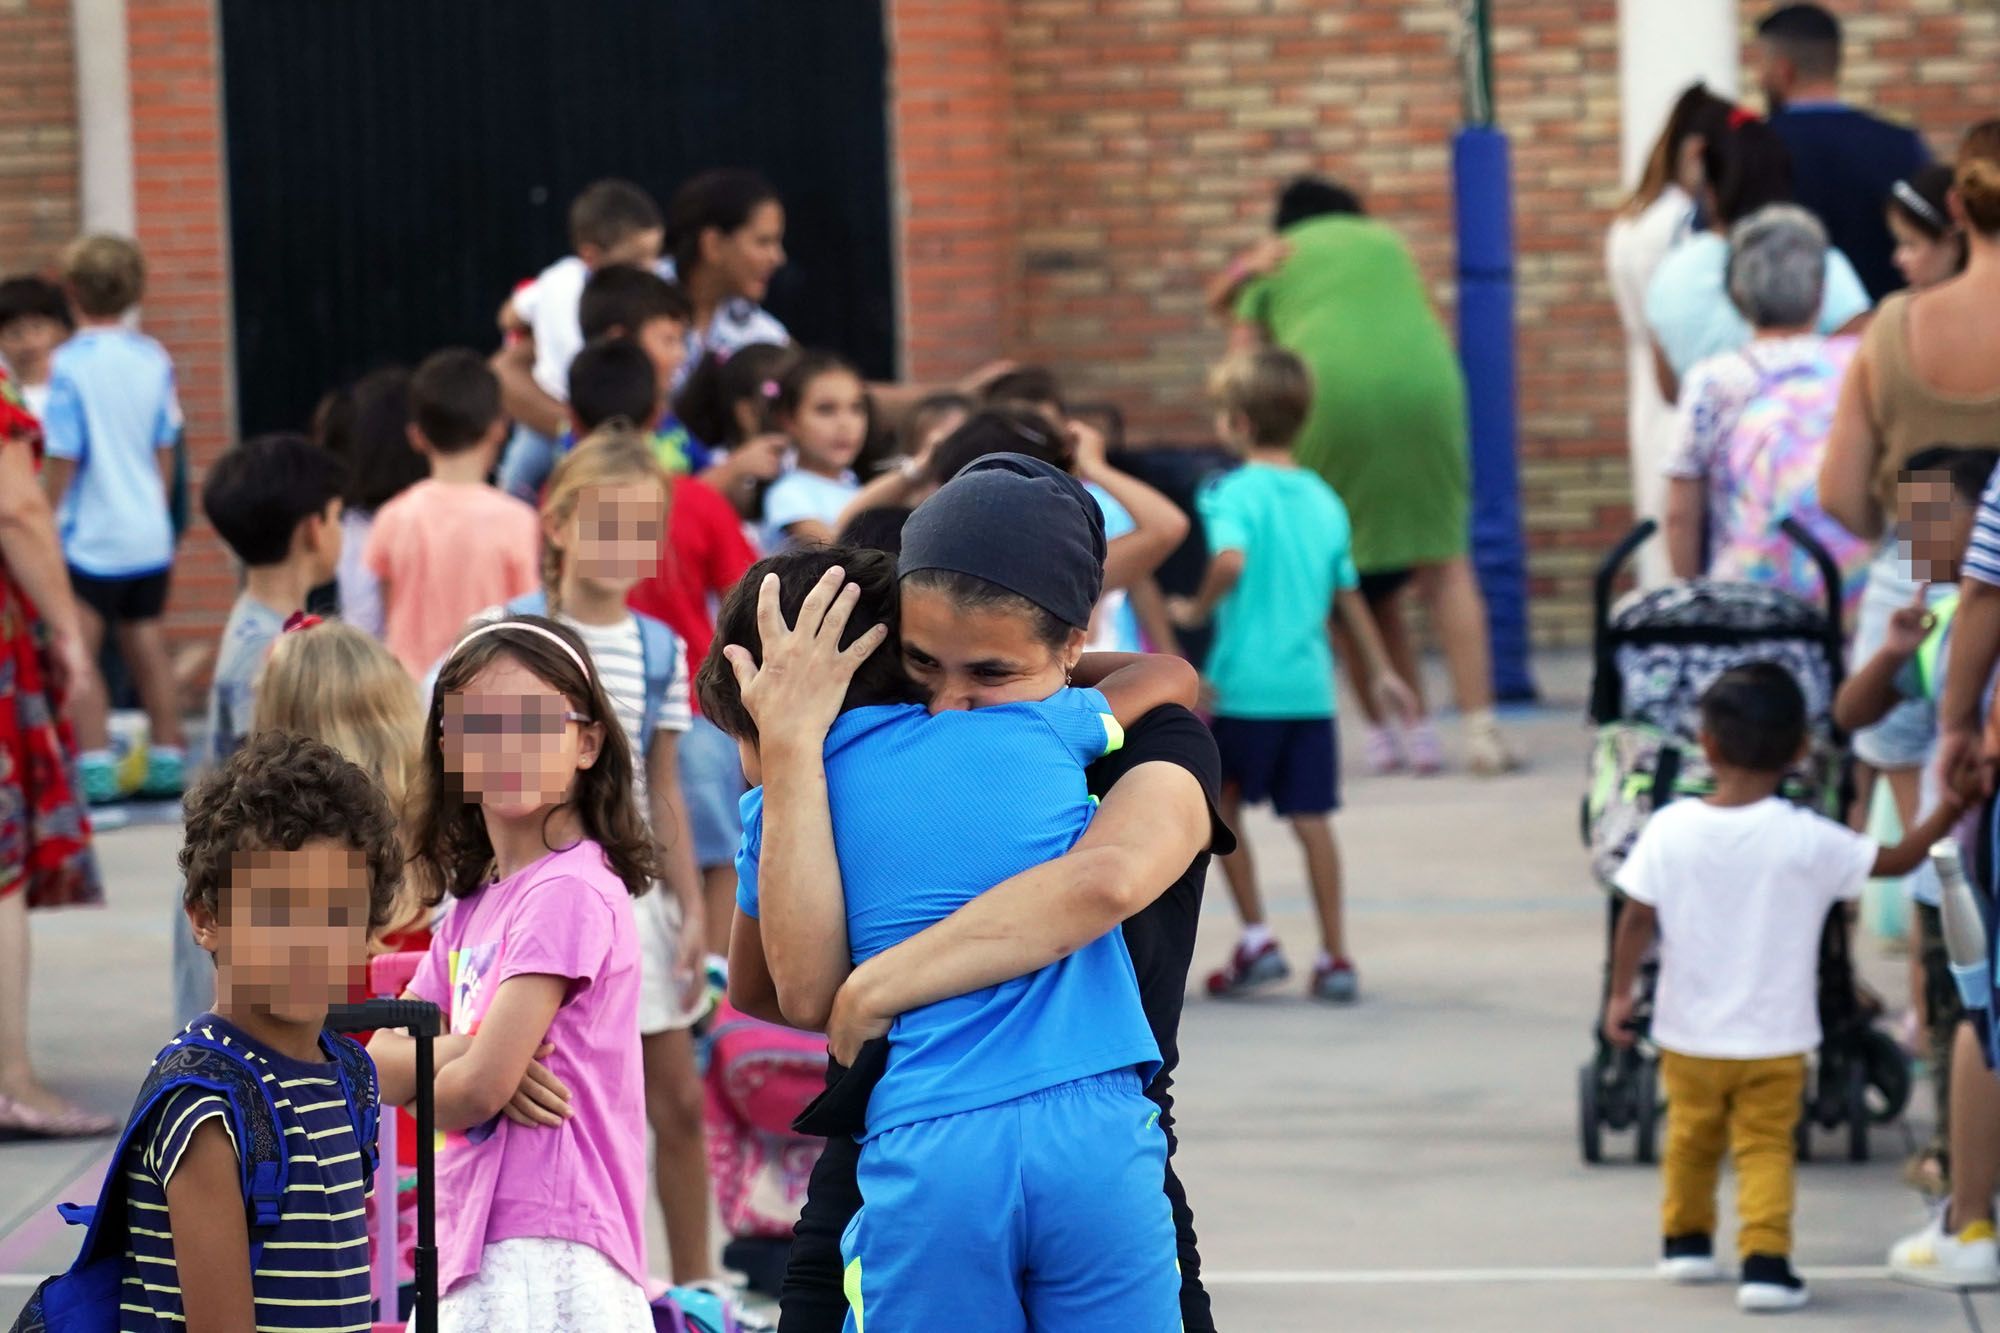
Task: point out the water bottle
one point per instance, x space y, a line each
1964 926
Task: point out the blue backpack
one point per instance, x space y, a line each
658 653
85 1299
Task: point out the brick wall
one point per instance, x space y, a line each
38 173
1149 134
178 186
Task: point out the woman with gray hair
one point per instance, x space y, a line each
1753 422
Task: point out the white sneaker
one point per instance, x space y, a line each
1689 1269
1935 1258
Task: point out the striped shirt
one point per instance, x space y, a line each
1982 559
312 1273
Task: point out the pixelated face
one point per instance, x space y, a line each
748 256
641 249
1934 524
1924 261
974 658
512 744
665 344
831 423
28 342
613 536
292 934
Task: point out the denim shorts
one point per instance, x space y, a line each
712 785
1903 739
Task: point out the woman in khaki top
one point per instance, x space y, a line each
1929 368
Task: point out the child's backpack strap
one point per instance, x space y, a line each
357 1082
86 1297
659 651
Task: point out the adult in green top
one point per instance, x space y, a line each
1388 432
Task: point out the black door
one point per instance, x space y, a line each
396 166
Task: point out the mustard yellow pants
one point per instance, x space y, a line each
1749 1107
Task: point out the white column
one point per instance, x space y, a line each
104 116
1663 46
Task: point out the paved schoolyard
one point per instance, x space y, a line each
1409 1164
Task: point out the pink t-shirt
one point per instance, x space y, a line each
567 915
447 552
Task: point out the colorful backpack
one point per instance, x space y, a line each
760 1077
85 1299
1769 466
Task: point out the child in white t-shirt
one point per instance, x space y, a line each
1738 887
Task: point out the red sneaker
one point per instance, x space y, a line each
1248 968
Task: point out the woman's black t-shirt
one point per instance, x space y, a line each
1161 941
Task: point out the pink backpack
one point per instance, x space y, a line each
760 1077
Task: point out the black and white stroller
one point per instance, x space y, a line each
1653 655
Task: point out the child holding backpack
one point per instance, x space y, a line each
530 824
291 852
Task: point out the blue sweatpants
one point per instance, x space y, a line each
1047 1212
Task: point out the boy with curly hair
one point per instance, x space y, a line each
291 857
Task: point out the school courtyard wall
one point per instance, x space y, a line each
1068 173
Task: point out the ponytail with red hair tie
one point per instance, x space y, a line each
1739 116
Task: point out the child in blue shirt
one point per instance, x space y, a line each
1012 1163
1280 567
113 420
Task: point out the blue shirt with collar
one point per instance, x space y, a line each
929 812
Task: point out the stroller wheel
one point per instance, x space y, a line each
1590 1120
1645 1111
1859 1121
1888 1076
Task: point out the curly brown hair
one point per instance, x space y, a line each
279 792
450 840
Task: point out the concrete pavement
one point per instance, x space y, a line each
1408 1164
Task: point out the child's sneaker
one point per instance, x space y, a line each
1486 754
1383 752
1336 982
165 778
1769 1285
98 775
1424 750
1689 1258
1935 1258
1249 967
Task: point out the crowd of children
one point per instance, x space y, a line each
488 750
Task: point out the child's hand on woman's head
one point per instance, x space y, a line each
798 690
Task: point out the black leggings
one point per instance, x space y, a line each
813 1299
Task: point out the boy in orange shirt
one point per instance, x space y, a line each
451 545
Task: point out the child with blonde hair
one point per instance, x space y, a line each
332 682
604 517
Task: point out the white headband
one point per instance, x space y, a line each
526 628
1906 195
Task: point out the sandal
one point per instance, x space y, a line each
18 1120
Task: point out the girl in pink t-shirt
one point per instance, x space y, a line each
530 825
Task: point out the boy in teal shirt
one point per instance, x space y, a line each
1280 566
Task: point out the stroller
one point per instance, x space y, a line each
1653 656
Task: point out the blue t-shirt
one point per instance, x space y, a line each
112 409
992 793
1689 311
1115 628
1271 657
798 496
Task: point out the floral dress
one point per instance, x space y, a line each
44 828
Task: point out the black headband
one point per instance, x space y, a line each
1017 523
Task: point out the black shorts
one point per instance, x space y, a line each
122 600
1378 586
1293 763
